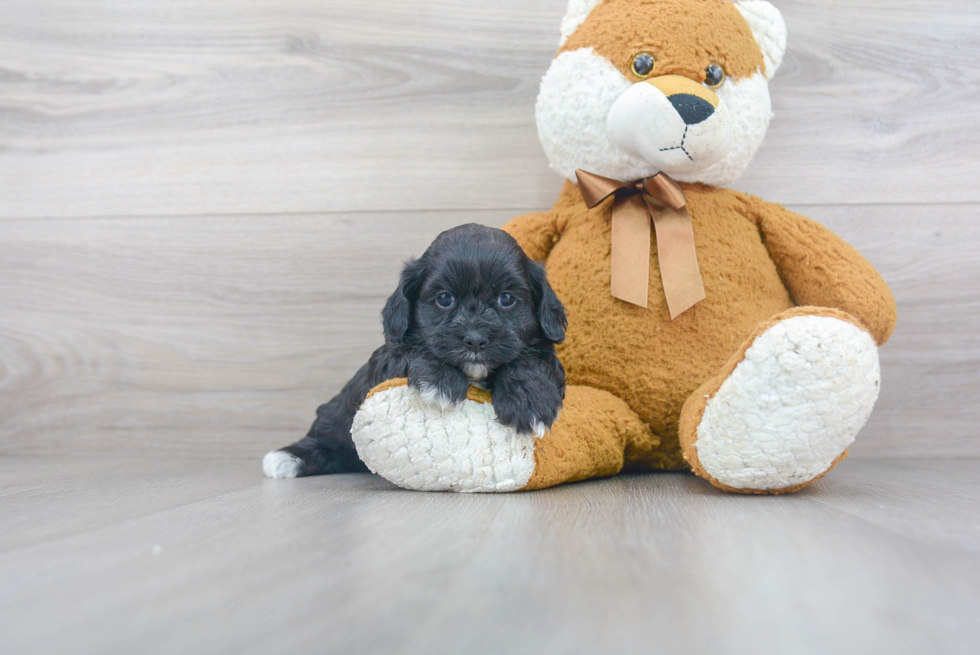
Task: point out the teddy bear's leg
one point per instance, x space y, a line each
419 445
785 408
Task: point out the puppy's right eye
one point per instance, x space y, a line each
445 300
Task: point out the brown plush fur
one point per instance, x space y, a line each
595 435
475 394
684 37
757 260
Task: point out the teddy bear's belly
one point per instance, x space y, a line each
639 354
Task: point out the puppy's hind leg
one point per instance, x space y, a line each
309 456
328 447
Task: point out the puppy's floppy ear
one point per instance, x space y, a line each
550 311
397 314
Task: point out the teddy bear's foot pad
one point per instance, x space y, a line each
791 407
419 445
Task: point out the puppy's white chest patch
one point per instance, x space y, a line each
476 372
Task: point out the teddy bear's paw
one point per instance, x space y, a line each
420 445
791 407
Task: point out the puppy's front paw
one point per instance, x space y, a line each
437 395
529 406
438 384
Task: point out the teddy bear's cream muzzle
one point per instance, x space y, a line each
672 123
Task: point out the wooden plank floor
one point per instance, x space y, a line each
153 555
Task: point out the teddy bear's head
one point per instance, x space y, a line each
647 86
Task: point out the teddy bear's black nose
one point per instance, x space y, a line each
692 109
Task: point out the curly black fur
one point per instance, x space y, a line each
472 310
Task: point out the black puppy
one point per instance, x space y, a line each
472 310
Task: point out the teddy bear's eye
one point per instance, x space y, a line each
714 76
642 64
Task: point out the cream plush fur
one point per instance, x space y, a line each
424 446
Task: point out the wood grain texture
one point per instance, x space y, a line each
115 108
187 334
874 558
56 498
222 334
930 394
203 206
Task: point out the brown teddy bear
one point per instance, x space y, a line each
707 329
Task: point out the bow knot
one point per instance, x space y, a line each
661 200
595 189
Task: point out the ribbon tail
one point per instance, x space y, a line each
630 275
679 268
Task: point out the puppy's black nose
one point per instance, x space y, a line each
475 341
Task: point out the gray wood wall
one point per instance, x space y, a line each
204 203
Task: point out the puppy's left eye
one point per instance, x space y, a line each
445 300
506 300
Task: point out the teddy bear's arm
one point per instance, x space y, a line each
537 233
819 268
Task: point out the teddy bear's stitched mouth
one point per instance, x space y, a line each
681 146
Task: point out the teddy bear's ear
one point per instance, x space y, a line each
769 29
575 15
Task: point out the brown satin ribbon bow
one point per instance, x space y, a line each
661 200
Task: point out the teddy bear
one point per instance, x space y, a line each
708 330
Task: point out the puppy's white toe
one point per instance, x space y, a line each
280 464
538 430
432 396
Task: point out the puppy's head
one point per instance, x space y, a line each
475 301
